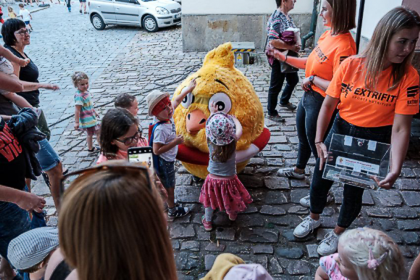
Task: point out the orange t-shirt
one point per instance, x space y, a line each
373 108
327 56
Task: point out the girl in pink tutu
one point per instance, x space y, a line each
222 188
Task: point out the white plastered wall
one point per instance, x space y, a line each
374 11
234 7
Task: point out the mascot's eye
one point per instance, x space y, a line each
188 99
222 102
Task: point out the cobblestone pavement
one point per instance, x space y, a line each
123 59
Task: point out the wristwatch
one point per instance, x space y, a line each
311 79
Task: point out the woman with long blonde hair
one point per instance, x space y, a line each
112 226
377 94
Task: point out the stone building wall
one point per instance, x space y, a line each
204 32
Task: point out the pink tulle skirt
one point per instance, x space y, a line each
227 194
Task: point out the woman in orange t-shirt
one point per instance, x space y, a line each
377 94
333 47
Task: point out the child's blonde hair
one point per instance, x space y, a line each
373 254
78 76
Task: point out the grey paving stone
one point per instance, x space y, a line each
187 261
277 183
251 181
408 173
256 161
262 249
215 247
278 140
250 221
209 261
409 184
179 231
259 235
298 268
275 197
411 198
379 213
187 194
409 225
175 244
225 234
411 238
281 147
272 210
191 246
299 210
396 236
299 183
288 234
238 249
405 214
277 162
389 198
312 251
250 210
289 253
386 224
275 267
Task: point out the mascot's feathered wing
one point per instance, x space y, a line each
220 82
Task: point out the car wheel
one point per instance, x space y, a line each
97 22
150 24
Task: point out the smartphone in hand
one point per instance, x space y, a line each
141 154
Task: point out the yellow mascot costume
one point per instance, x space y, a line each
220 82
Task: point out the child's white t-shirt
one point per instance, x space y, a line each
164 134
25 15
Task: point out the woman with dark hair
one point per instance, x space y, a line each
16 37
335 45
377 94
277 24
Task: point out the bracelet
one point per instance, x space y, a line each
285 59
318 142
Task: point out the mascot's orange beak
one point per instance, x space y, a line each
196 120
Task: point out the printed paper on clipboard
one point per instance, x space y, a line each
355 161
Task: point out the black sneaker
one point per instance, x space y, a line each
178 213
289 106
276 118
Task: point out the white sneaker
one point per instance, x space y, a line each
329 244
306 227
306 201
290 173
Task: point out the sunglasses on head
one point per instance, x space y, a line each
120 169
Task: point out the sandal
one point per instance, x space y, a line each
94 150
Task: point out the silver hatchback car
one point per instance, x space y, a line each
149 14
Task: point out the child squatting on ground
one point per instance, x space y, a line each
165 142
85 115
363 253
222 188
